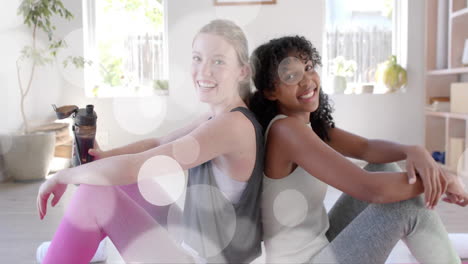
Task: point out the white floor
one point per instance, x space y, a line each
21 231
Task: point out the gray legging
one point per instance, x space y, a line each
363 233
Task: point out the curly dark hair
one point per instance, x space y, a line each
265 61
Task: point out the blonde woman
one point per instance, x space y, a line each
224 178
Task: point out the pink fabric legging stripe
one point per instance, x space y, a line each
122 214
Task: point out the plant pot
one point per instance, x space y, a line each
27 157
339 84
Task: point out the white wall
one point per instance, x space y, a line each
397 117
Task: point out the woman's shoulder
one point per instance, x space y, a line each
289 133
241 119
230 123
285 125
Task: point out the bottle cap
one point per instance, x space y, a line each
86 116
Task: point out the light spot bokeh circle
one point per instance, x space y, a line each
140 115
161 180
186 150
218 208
291 70
283 203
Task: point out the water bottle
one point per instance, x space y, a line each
84 130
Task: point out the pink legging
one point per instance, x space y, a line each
122 214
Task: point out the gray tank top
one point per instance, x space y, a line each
222 232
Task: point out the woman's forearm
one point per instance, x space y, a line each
381 151
393 187
133 148
117 170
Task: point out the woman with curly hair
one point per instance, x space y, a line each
305 152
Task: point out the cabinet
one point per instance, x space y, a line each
446 131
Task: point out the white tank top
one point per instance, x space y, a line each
230 188
293 215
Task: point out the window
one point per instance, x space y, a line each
359 35
127 42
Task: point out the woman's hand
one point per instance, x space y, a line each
419 162
97 152
456 192
50 186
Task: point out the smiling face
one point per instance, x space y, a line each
216 71
297 87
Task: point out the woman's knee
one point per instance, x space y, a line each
415 207
97 200
95 193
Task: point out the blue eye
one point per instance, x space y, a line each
218 62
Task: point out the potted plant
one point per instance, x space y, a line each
340 69
391 74
30 153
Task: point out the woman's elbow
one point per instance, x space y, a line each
374 193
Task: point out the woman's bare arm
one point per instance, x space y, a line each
303 147
418 160
215 137
150 143
372 151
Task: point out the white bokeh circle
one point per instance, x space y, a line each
186 150
74 48
295 66
140 115
161 180
212 243
283 203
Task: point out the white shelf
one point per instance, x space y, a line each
460 13
448 71
447 115
441 126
